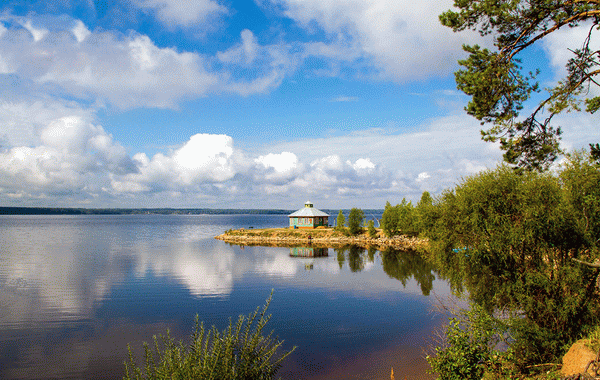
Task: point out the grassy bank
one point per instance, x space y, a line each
320 237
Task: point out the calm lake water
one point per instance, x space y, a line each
75 290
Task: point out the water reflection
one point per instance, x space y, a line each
309 252
404 265
75 290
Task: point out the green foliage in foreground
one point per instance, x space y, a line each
468 346
238 352
519 243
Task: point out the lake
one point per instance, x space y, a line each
76 290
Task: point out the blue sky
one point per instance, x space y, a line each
265 103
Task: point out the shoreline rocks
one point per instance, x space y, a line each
319 238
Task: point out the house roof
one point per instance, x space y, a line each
308 211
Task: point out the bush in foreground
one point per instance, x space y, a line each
238 352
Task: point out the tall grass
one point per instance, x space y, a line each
240 351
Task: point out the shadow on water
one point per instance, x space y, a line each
402 265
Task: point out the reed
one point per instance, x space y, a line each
240 351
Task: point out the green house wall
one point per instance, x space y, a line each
309 222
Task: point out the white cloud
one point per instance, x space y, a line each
80 31
278 168
204 159
130 71
183 13
423 176
404 39
72 152
558 45
363 164
244 53
71 155
205 156
37 33
22 120
77 161
250 68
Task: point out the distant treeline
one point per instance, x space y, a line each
141 211
132 211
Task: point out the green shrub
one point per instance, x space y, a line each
238 352
509 239
371 229
468 347
341 221
354 221
389 220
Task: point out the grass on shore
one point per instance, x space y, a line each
320 232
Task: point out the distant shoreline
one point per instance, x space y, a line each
146 211
134 211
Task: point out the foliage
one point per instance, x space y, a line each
406 264
238 352
424 213
499 89
510 238
341 220
355 220
399 219
371 229
469 346
389 220
406 218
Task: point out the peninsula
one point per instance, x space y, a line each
318 237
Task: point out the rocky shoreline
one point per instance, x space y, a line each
284 237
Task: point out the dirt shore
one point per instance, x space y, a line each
319 237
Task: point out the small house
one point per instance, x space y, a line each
308 217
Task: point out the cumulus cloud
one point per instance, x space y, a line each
203 159
70 157
277 168
22 120
76 158
72 152
404 39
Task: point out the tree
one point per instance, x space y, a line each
406 218
389 220
341 220
423 213
355 220
371 229
498 87
518 242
